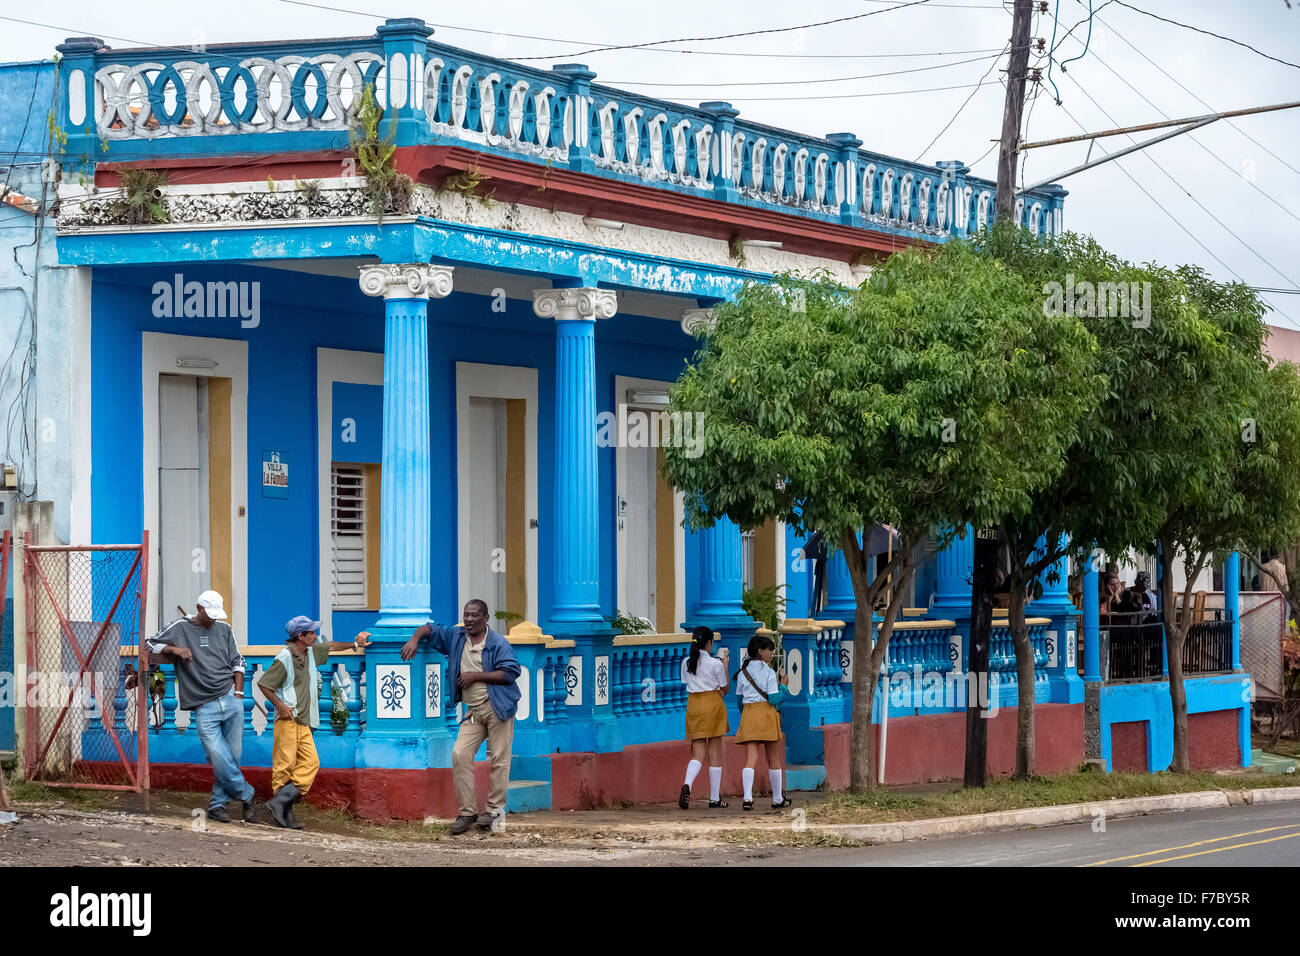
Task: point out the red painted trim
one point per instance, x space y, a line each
547 187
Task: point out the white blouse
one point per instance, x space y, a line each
710 674
764 677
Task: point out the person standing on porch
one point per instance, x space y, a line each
482 668
761 692
292 687
705 677
210 684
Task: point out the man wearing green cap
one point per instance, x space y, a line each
292 688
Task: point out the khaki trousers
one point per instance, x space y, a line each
482 721
293 756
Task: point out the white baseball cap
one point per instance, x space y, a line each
213 604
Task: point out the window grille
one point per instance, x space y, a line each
348 537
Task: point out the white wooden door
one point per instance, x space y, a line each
483 554
637 525
182 493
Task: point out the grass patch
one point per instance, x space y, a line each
887 806
791 838
26 791
405 832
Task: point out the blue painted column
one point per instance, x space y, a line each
722 587
954 567
575 563
76 107
396 734
1091 623
1232 601
841 604
1064 683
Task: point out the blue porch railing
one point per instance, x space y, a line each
300 95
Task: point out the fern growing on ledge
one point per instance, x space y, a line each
386 188
142 201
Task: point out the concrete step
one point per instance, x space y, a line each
804 776
525 795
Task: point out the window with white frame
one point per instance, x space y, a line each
348 573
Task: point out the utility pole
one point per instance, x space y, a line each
983 579
1017 68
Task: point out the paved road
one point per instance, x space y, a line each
1263 835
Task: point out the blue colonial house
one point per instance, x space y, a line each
369 393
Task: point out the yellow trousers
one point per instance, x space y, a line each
293 756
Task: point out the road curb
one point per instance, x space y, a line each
1053 816
938 827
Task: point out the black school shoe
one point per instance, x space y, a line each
718 804
747 805
785 802
684 799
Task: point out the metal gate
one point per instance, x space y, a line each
86 703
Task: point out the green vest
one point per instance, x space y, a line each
290 696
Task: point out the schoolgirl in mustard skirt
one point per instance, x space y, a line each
705 677
761 692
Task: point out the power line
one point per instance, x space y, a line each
1255 252
832 79
732 36
1223 162
849 96
1176 221
1181 86
659 49
964 104
1188 26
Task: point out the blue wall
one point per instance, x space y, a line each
300 313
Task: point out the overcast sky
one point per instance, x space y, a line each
1250 189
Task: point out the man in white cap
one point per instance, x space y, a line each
210 684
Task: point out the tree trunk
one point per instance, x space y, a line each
1175 637
981 627
1026 765
862 771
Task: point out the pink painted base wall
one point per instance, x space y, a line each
932 748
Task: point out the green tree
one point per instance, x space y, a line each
1239 491
933 396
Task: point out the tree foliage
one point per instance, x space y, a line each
936 394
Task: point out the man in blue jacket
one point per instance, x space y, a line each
481 666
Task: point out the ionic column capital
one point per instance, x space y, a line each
698 321
417 280
571 304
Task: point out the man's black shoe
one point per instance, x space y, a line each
219 814
250 810
462 824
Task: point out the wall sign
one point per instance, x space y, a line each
275 474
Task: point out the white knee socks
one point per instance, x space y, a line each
747 776
692 771
715 784
775 777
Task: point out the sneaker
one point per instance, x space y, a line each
462 823
219 814
250 810
684 798
487 818
718 804
785 802
747 805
